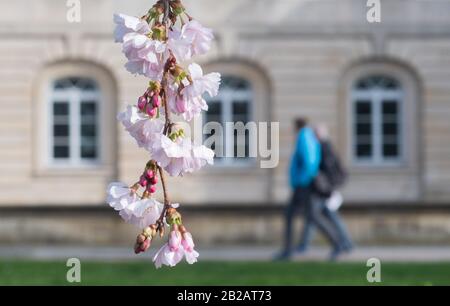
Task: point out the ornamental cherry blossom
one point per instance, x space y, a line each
142 128
120 196
193 39
155 46
142 213
200 83
129 24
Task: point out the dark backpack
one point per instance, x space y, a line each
331 173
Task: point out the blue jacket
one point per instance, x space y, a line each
305 160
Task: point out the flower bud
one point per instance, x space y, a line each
188 242
171 211
137 248
182 229
154 86
154 180
145 245
156 101
151 111
151 189
147 232
142 102
174 240
141 238
149 173
174 218
143 181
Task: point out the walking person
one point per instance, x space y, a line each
331 176
304 168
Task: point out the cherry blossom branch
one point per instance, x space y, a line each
172 89
160 222
168 122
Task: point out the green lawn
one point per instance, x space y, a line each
223 273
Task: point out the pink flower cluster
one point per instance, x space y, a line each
155 46
180 245
132 209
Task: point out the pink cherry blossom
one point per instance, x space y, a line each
180 47
171 256
180 156
180 92
193 39
201 83
167 257
187 107
201 156
188 242
119 196
142 213
145 56
199 36
142 128
127 24
174 240
188 246
173 156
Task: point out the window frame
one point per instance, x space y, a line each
109 140
225 98
376 96
74 97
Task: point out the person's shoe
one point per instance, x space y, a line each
335 253
301 249
348 248
283 256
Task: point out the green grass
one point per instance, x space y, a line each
223 273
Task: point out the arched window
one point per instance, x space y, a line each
74 129
377 102
232 105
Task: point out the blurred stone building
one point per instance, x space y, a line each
383 89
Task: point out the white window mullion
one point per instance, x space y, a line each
227 116
377 132
75 128
51 137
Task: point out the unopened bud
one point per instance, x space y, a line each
143 181
145 245
151 111
154 86
151 189
137 248
182 229
146 232
142 101
149 173
141 238
171 211
156 101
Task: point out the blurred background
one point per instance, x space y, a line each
382 88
